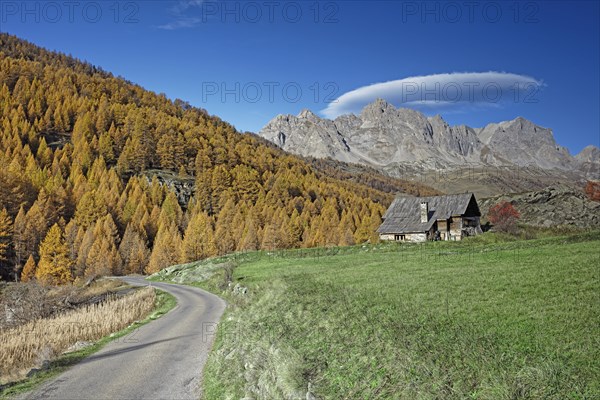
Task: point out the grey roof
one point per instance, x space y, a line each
404 214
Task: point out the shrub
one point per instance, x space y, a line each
504 216
592 189
228 269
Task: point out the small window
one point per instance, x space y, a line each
399 238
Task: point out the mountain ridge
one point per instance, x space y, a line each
384 137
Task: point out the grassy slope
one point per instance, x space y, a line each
443 320
164 302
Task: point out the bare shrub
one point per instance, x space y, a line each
24 302
228 269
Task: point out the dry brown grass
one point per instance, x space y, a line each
21 303
97 287
28 345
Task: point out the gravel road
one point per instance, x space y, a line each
160 360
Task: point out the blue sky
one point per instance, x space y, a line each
472 62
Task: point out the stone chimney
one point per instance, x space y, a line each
424 211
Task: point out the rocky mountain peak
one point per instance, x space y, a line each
375 109
518 129
381 104
522 124
438 120
590 153
307 114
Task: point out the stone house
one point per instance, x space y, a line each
417 219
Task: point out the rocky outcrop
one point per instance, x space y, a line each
552 206
183 187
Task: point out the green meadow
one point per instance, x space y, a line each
486 318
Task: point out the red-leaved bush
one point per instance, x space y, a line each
592 189
504 216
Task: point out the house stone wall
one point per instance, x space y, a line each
416 237
456 228
409 237
386 236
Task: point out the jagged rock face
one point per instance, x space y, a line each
383 136
320 138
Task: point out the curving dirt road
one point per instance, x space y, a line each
160 360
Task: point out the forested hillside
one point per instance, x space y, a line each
74 141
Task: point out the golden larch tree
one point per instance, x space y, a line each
134 250
28 270
54 267
103 258
249 240
6 228
87 240
19 242
166 250
198 241
89 209
224 238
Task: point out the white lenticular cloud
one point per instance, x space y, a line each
450 92
179 13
